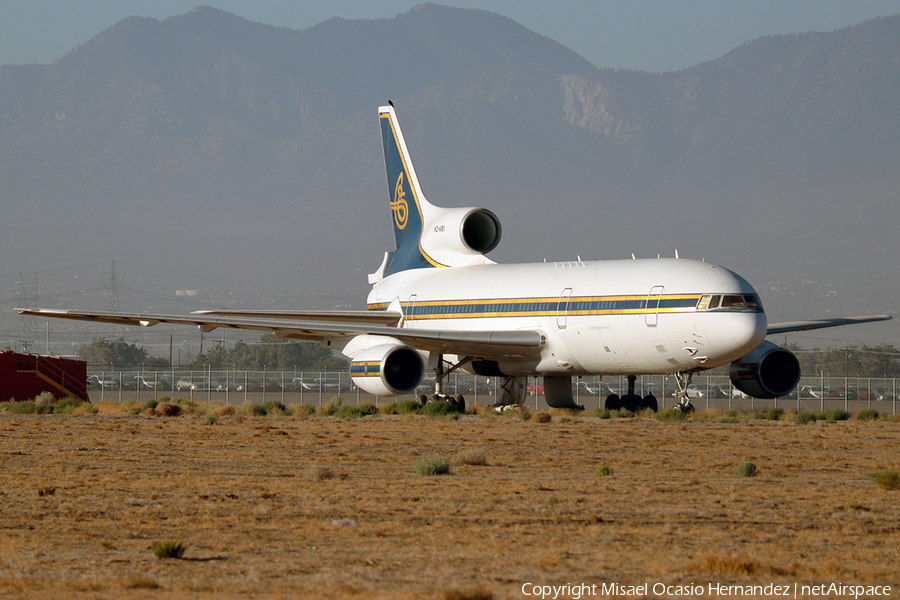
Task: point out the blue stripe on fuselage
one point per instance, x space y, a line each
544 307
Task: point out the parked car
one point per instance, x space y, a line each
809 391
717 391
582 387
163 383
692 392
255 385
96 383
306 385
872 393
185 384
340 385
145 384
273 385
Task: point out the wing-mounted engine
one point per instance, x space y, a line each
386 369
458 237
767 372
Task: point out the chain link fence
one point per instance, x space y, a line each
318 387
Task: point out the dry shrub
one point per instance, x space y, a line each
478 593
729 565
429 465
886 479
737 565
302 411
44 402
566 413
140 582
746 469
167 409
319 473
224 411
169 549
540 417
471 456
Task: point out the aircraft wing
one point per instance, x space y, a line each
357 316
492 345
822 323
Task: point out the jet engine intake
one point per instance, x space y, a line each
480 231
767 372
387 369
462 231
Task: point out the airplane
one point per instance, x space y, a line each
439 303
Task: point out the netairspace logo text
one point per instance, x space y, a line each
583 590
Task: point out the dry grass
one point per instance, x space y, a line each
246 499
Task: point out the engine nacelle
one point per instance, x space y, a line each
452 233
767 372
387 369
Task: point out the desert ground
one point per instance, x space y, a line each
300 507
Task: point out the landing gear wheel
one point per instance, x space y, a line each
422 399
650 403
632 402
459 401
613 402
687 408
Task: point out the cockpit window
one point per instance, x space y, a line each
733 302
741 302
752 301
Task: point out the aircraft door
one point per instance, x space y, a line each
562 308
651 311
408 319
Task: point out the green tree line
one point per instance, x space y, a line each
270 352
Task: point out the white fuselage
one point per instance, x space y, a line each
599 317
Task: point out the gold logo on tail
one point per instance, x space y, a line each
399 206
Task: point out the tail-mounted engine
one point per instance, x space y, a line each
388 369
767 372
460 236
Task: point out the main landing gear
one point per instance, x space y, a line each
457 400
631 401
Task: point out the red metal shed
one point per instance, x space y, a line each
25 376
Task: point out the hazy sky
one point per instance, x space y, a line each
658 35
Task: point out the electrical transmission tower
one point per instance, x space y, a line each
111 282
27 296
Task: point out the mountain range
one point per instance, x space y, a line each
205 150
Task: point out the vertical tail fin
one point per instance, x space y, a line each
427 235
408 205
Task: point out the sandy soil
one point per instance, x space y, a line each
85 497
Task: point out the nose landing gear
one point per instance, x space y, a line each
683 380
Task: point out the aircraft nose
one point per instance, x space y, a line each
748 330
